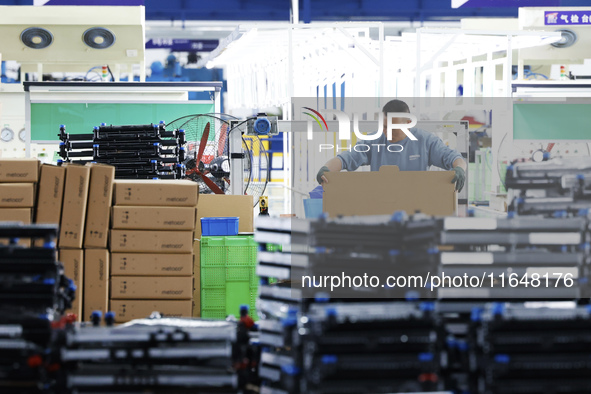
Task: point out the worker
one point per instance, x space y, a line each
408 155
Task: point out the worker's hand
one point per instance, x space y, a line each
459 178
320 176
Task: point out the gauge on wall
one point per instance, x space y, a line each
6 135
538 155
22 135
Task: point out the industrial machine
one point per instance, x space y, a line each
61 39
575 44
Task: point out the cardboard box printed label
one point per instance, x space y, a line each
126 310
389 190
74 206
151 241
73 261
155 264
50 194
19 170
17 195
153 218
174 193
152 287
96 281
100 195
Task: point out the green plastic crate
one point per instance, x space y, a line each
229 250
213 313
228 278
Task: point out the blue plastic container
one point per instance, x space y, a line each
219 226
313 208
318 192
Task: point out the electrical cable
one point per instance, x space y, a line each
530 75
98 74
241 123
113 77
89 71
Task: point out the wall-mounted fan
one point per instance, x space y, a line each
207 159
36 37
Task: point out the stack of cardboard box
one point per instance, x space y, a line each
72 220
153 224
96 233
84 228
48 210
153 227
78 199
18 178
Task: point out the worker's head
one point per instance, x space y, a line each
395 106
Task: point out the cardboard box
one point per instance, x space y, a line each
388 190
154 264
74 206
221 205
151 241
73 260
153 218
152 287
172 193
96 281
126 310
16 215
196 279
50 194
100 195
19 170
17 195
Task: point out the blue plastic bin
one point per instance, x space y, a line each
219 226
313 208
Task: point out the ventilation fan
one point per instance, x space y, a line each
568 38
36 37
207 155
98 38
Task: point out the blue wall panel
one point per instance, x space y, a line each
316 10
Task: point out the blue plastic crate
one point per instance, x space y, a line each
313 208
219 226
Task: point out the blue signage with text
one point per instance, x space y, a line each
567 17
182 45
